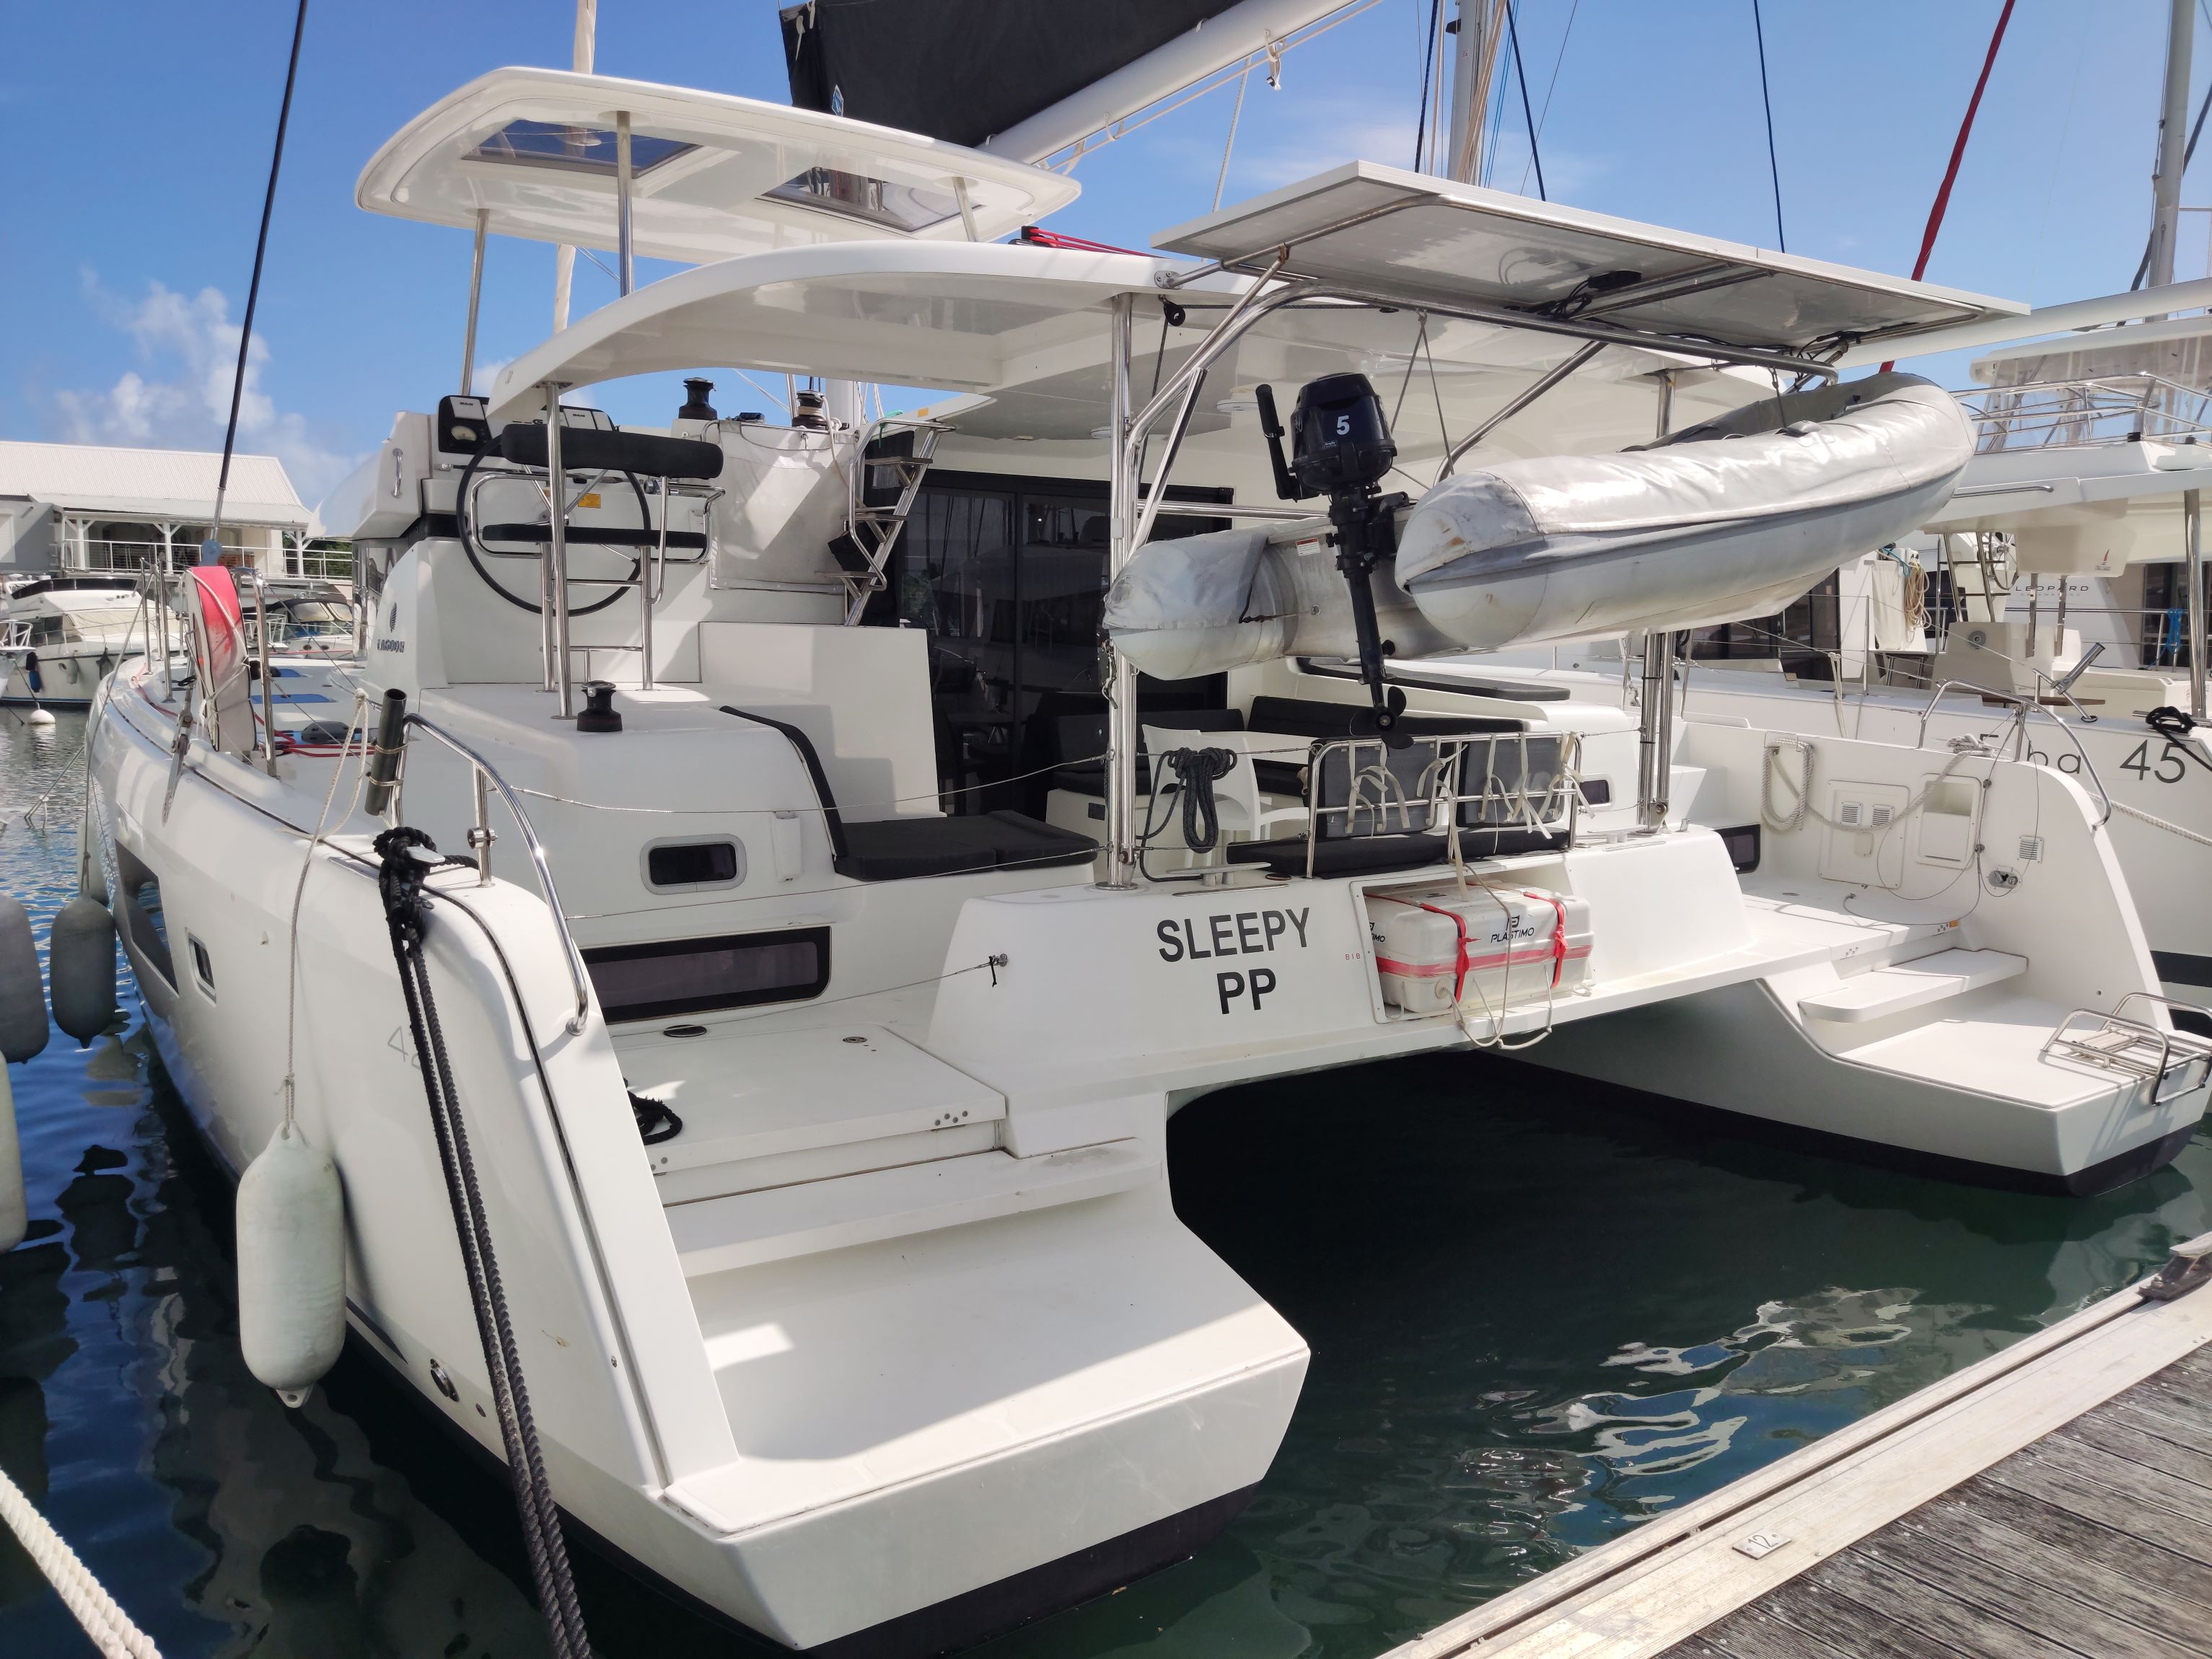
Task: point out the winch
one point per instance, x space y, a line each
1477 947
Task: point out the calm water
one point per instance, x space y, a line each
1537 1317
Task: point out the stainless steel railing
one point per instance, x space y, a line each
2100 410
485 777
1541 790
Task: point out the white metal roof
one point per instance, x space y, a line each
151 483
713 176
1027 327
1430 240
962 316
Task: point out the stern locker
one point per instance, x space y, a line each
1484 946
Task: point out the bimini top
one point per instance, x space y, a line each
965 317
712 176
1424 240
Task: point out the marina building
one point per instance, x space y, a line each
67 508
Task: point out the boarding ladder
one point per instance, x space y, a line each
890 463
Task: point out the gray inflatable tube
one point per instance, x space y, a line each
1732 518
1203 604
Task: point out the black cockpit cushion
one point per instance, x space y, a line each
897 849
586 449
894 849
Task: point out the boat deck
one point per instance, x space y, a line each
2055 1500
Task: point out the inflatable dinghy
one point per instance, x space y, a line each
1734 518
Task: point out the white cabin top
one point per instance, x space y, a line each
2177 349
713 176
1417 238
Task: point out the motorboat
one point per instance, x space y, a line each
821 1092
60 634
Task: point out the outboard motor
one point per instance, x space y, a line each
1340 448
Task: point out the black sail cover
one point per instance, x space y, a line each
964 70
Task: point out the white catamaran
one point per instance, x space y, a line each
829 946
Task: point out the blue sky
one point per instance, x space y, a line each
141 136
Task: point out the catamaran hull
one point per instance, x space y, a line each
1085 1391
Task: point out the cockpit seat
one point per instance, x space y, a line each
900 849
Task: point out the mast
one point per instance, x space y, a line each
2173 139
564 257
1481 25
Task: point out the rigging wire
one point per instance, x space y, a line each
1544 115
210 548
1766 102
1958 154
1521 74
1236 115
1428 62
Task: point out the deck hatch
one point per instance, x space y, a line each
578 149
692 975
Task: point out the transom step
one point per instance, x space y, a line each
1915 984
769 1108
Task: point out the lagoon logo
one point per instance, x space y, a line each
392 620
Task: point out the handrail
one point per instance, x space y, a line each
1441 786
2113 1048
485 771
2022 708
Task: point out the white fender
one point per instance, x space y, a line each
81 968
291 1265
15 1209
23 1027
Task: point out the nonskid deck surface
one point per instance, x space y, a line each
2054 1500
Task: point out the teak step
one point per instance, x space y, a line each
1914 984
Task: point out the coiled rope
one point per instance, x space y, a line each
1196 771
406 911
108 1624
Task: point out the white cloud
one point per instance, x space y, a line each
179 398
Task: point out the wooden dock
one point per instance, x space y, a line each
2053 1501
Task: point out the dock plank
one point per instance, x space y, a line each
2171 1416
1803 1620
1942 1537
2158 1499
2169 1574
1881 1588
2193 1372
2122 1438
